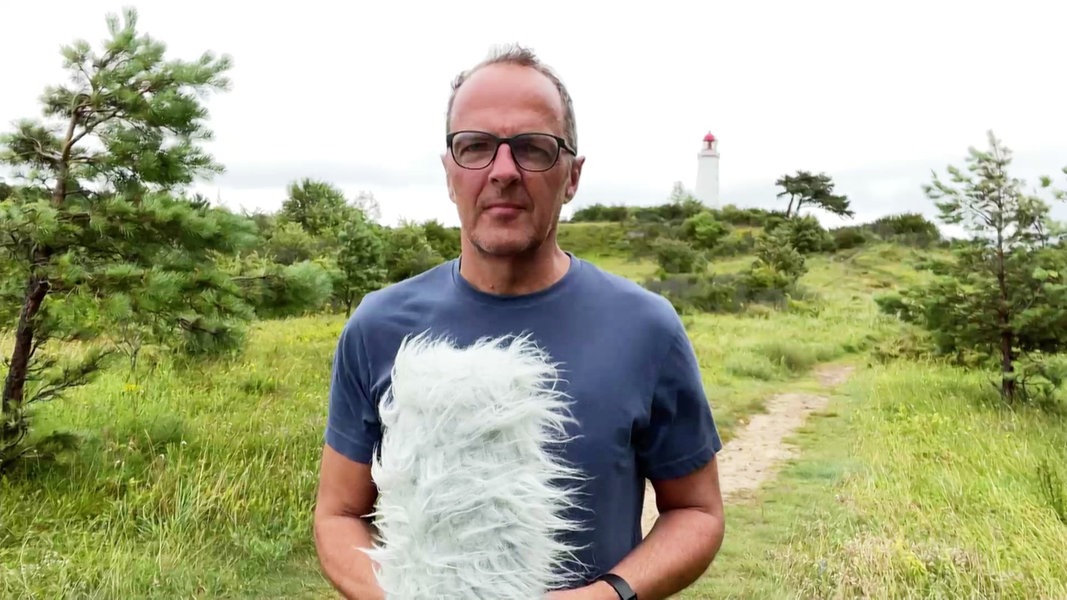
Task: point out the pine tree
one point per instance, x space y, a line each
1002 295
99 245
806 188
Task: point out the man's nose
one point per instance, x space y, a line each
503 171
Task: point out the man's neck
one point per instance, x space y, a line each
516 275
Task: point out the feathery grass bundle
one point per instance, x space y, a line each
470 495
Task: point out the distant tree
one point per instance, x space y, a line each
681 204
275 291
408 252
679 194
100 243
805 188
361 261
1003 294
317 206
287 243
444 240
368 205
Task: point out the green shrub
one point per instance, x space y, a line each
734 244
601 213
744 217
594 239
691 292
846 238
910 229
778 263
677 256
680 208
806 234
703 231
904 224
723 293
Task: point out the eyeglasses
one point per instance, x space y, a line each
531 151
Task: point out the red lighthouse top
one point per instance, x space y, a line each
709 137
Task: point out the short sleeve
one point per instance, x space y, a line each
681 435
352 425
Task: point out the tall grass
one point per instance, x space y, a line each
915 484
949 502
198 480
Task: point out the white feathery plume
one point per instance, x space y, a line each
471 501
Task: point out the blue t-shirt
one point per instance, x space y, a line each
627 365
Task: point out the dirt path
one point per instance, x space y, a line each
755 454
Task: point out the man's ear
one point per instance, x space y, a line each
448 182
574 175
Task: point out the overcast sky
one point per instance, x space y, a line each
875 94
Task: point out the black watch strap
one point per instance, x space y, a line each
622 588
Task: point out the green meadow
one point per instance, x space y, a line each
197 480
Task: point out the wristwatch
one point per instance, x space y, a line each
622 588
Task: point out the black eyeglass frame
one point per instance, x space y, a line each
561 145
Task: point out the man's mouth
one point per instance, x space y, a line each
504 209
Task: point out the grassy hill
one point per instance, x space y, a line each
198 481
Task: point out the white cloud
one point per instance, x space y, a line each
876 94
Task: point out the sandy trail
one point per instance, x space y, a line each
756 453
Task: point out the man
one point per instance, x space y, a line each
629 367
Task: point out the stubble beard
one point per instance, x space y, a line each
512 245
512 242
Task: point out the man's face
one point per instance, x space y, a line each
503 209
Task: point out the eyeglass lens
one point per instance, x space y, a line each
532 151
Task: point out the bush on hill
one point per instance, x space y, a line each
908 229
846 238
771 278
674 211
805 234
678 256
735 243
594 239
704 231
904 225
743 217
600 213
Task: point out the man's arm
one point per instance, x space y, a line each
346 494
679 548
685 538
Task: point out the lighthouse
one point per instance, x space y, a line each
707 188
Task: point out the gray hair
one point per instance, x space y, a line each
518 55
